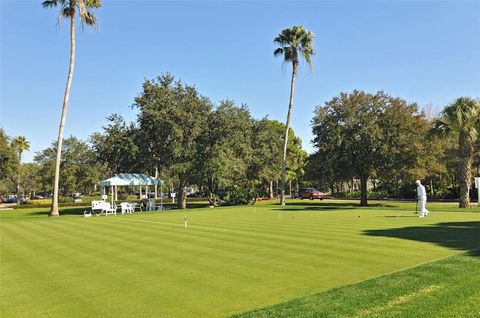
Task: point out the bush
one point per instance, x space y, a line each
238 196
62 202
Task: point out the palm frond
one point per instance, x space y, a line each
51 3
278 52
293 42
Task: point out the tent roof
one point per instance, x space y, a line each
130 179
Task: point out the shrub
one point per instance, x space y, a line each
238 196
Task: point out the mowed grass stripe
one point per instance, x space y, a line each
298 245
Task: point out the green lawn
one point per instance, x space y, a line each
228 261
446 288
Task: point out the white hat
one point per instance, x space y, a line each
418 182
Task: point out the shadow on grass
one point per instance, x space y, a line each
464 236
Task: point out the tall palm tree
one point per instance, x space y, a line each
461 120
293 43
68 10
20 144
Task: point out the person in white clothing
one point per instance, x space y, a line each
422 199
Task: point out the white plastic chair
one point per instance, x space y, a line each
109 208
126 207
134 206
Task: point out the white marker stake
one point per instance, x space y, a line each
185 221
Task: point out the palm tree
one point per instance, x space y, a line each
294 42
461 120
20 144
68 9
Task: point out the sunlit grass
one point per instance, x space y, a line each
229 260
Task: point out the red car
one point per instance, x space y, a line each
310 193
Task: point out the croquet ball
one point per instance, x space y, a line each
359 216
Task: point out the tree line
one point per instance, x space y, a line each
362 142
181 137
390 143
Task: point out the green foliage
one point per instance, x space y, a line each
360 135
79 169
9 164
239 196
68 8
173 120
227 152
294 42
117 147
460 121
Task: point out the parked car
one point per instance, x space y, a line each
310 193
12 198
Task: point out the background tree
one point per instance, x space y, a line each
294 43
366 135
227 147
19 144
9 164
80 171
267 154
68 10
461 121
117 146
29 180
173 119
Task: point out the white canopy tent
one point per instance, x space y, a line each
132 179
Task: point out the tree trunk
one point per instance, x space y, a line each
465 170
182 198
54 208
363 190
431 188
270 190
285 141
156 187
290 187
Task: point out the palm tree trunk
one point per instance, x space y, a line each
287 128
270 190
156 186
465 170
54 208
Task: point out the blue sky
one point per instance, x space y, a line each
426 52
